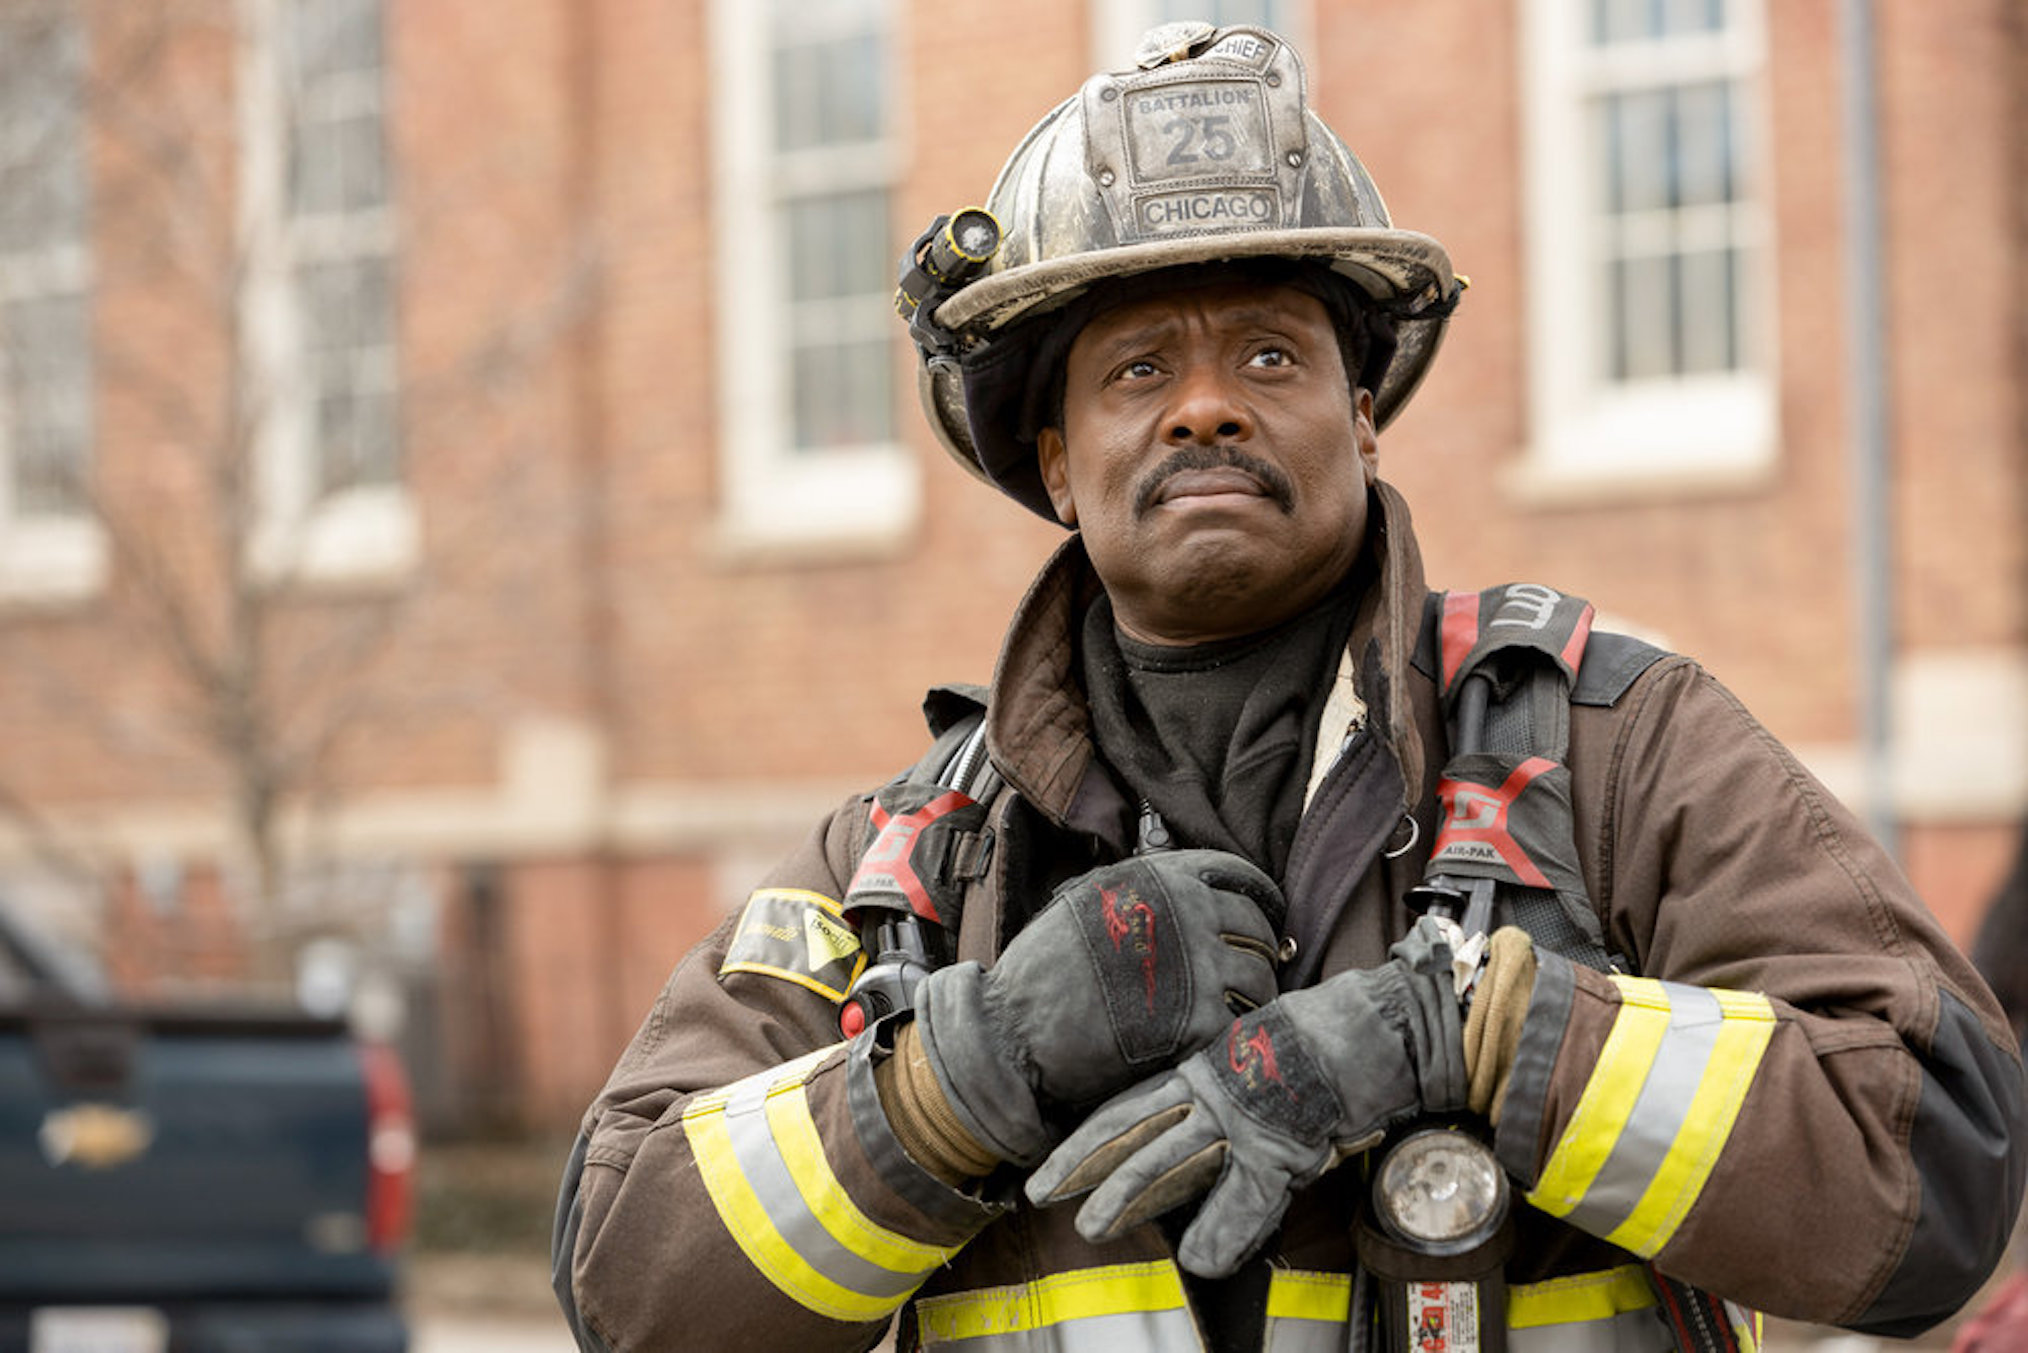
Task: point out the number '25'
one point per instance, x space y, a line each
1209 137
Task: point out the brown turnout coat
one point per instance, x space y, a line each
1869 1178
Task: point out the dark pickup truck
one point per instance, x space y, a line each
192 1179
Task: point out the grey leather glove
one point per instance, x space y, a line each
1291 1090
1129 968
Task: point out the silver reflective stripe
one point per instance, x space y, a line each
1034 1317
1127 1332
1607 1311
1660 1112
1656 1112
760 1160
1306 1311
1288 1335
1627 1332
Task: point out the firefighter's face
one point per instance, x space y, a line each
1215 458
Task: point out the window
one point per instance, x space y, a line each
806 161
1650 348
338 197
49 542
1117 25
324 291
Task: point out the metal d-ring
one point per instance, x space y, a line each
1414 835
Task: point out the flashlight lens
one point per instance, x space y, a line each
1441 1186
975 234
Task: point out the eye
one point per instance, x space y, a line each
1139 369
1272 355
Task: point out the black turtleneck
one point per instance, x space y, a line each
1217 737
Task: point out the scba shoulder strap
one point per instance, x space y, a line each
1509 662
924 843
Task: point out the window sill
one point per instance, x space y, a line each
1664 439
1538 481
52 562
361 536
855 504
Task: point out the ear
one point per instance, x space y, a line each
1052 458
1364 436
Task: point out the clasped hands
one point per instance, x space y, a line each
1126 986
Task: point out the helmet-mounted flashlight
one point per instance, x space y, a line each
954 250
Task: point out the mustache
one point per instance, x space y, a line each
1197 457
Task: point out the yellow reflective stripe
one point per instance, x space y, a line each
1579 1297
746 1218
1748 1325
1608 1098
776 1078
1299 1294
1113 1290
1082 1294
1742 1039
1293 1294
795 1133
758 1239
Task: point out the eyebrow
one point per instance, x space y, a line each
1153 331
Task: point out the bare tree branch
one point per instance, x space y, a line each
271 675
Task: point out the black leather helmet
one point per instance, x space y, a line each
1206 152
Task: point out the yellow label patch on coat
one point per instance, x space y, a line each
797 936
827 938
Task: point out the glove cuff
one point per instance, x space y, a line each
981 1080
1418 989
1493 1027
922 1118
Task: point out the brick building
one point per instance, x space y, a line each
537 360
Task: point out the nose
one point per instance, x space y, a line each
1207 408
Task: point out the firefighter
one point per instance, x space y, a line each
1185 993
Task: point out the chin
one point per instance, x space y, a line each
1224 596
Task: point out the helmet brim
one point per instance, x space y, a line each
1406 273
1400 269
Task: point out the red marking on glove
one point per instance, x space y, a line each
1139 925
1253 1058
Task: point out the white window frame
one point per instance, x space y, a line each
772 497
1588 435
359 533
1117 26
50 556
